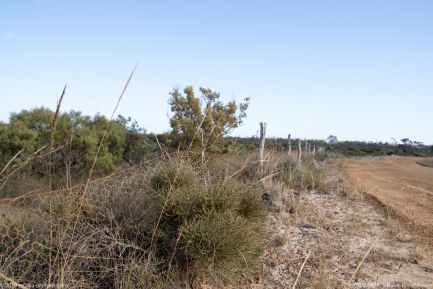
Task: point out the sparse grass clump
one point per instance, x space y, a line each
308 175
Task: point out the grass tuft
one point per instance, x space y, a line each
309 175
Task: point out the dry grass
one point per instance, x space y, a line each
307 175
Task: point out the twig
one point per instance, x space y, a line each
362 261
6 178
163 151
10 161
244 167
268 176
175 247
36 193
13 282
199 128
300 271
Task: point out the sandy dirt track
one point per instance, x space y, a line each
398 183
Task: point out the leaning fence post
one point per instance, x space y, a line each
289 144
262 143
299 151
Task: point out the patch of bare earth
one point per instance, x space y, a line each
401 184
346 240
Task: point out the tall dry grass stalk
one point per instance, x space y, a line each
108 127
53 131
87 182
50 168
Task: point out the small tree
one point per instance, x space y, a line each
406 141
332 139
204 121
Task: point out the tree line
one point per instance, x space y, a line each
199 121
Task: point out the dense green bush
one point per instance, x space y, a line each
76 142
217 224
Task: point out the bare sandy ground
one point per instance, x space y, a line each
338 237
399 184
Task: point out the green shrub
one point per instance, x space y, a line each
223 243
214 225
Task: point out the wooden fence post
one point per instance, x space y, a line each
262 143
289 144
299 151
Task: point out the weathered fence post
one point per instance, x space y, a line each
289 144
314 149
262 144
299 151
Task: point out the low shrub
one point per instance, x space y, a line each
215 226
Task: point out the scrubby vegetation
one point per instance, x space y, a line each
126 209
148 227
89 202
24 146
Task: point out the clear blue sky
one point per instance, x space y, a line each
357 69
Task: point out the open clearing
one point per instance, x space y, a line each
402 185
